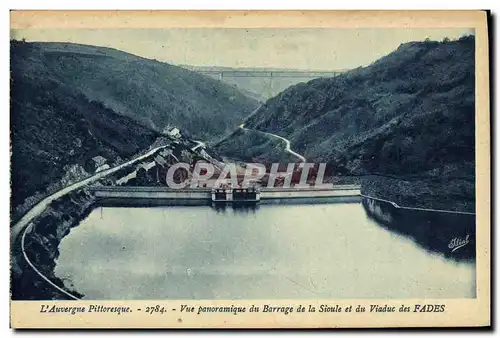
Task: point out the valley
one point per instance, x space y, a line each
86 117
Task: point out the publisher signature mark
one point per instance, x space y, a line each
457 242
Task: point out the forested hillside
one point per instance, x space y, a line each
154 93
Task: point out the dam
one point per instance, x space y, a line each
200 196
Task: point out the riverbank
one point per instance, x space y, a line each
433 193
429 193
41 247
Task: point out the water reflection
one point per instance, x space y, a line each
240 208
452 235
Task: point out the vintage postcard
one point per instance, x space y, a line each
249 169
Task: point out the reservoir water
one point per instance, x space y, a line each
272 252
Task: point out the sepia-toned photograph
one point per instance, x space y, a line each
250 164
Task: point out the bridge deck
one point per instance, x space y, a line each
270 74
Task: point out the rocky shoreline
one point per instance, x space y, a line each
432 193
41 246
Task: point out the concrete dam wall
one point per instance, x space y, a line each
204 195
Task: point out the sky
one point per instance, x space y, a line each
304 48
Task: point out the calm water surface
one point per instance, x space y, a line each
276 251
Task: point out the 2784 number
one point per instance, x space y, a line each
155 309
